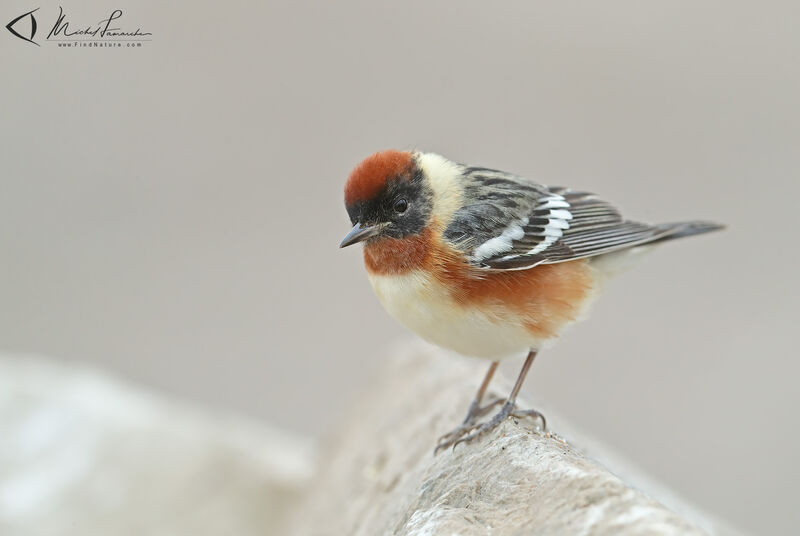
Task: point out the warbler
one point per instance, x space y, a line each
485 262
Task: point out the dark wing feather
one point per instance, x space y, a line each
494 200
511 223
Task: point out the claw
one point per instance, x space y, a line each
485 427
495 421
466 439
447 439
509 409
521 414
467 426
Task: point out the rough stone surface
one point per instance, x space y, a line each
83 454
379 474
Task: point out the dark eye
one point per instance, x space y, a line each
400 206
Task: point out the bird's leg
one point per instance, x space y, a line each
475 410
509 409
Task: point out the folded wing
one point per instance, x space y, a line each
511 223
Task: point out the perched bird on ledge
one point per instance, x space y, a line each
485 262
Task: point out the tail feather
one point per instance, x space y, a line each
616 262
686 228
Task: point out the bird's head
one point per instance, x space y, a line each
387 195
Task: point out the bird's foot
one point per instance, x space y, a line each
509 409
475 411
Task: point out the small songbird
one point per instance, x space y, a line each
485 262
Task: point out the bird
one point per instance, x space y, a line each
487 263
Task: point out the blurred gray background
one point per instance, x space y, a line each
173 213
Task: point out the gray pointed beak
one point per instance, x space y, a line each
359 234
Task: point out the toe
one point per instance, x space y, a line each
453 436
530 413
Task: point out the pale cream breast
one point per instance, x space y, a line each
423 305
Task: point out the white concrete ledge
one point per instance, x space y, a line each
379 475
82 453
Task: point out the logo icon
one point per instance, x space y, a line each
20 20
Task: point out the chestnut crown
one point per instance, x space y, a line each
386 196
